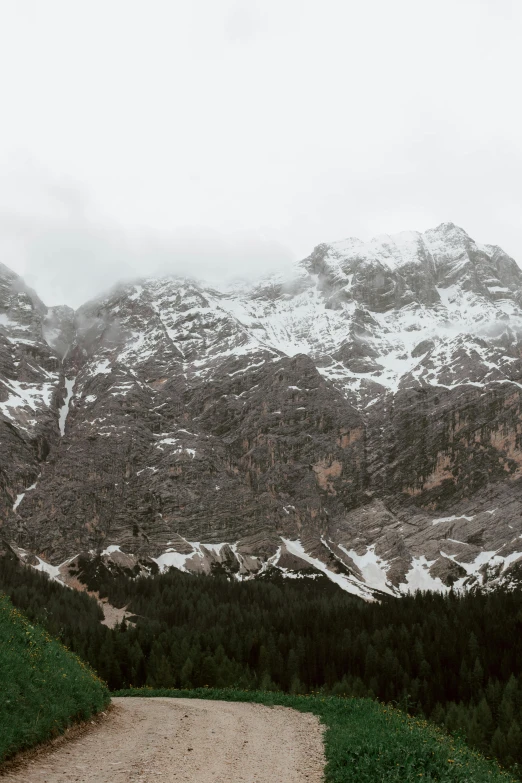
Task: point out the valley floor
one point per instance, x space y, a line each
186 741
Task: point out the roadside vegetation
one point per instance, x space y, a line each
368 742
44 688
452 660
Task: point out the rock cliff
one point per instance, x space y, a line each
360 417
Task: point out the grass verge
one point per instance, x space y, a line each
367 741
44 688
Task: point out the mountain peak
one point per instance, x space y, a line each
448 228
447 236
262 419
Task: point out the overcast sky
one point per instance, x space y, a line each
223 137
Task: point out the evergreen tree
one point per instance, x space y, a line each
454 658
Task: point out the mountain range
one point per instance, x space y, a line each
358 417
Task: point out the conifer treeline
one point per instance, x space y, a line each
454 659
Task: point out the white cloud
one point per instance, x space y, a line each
270 125
52 234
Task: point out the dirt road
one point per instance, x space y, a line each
186 741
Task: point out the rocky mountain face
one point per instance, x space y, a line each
361 417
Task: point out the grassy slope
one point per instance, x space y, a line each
43 687
367 741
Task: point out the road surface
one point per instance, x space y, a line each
160 740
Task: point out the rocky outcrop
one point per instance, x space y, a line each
361 418
30 391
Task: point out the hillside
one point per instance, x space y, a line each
453 659
43 687
360 417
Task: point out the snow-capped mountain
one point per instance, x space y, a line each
360 417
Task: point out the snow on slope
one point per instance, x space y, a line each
25 399
397 312
373 581
64 410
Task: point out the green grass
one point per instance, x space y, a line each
43 687
367 741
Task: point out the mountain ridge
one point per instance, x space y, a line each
359 418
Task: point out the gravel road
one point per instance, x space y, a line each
185 741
